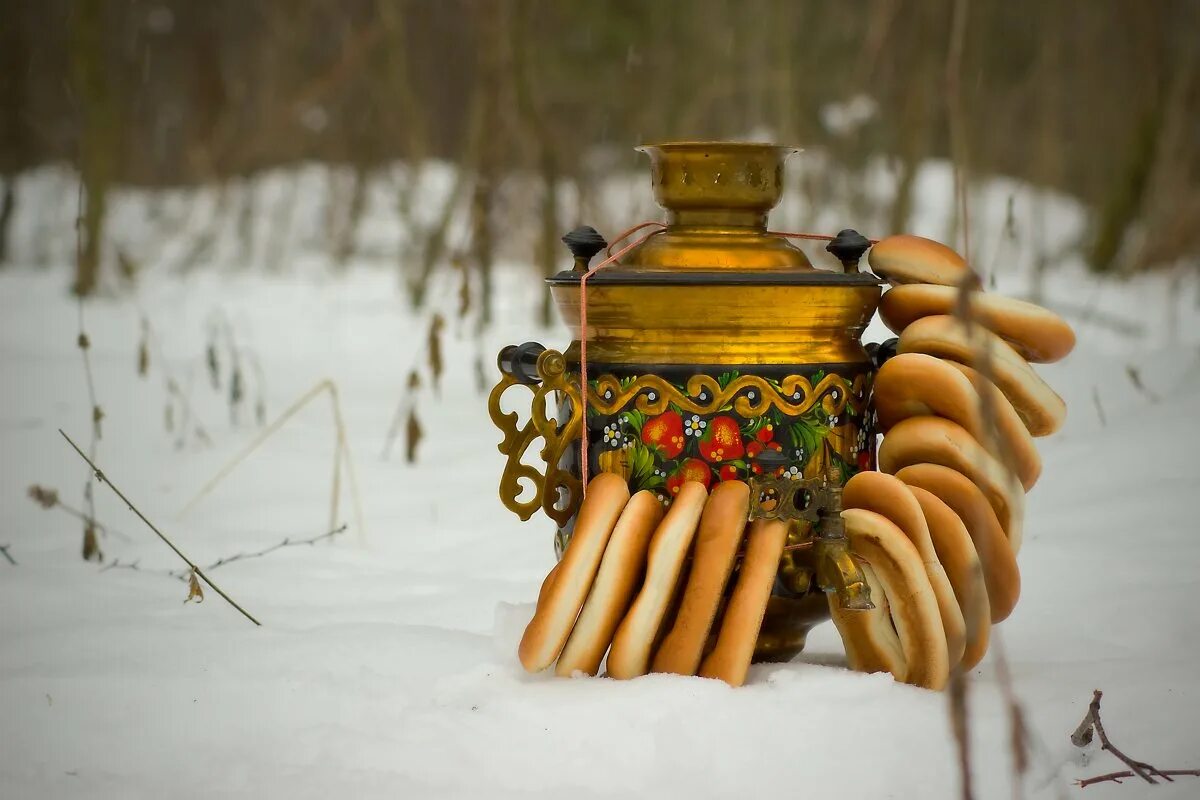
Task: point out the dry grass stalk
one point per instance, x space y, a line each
1092 724
48 498
91 545
341 457
226 560
7 557
102 478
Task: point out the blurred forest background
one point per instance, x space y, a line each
1097 100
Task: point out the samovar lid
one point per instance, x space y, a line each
717 196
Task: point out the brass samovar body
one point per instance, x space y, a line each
715 351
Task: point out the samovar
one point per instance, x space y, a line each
714 351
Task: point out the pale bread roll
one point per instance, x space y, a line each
564 595
915 385
721 528
957 555
1038 334
730 658
912 604
933 440
904 258
1039 407
868 635
616 582
999 561
629 656
890 497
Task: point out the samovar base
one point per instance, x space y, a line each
786 625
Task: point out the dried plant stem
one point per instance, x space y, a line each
90 546
99 526
1091 724
4 552
102 478
1116 777
342 459
182 575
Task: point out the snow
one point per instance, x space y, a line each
386 664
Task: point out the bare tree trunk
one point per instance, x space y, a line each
97 134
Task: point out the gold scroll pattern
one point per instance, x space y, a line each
750 395
555 484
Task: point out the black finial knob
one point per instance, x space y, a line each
881 352
584 242
848 247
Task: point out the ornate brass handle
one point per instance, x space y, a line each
556 491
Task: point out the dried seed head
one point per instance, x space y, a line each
83 341
412 437
194 591
91 545
44 496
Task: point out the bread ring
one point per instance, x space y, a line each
890 497
564 595
629 656
1038 334
730 657
720 533
914 384
616 582
1039 407
999 561
869 636
934 440
912 604
956 553
904 258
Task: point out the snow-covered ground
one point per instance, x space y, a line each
386 664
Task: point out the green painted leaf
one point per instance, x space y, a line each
634 420
726 378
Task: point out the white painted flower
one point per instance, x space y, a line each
793 472
694 426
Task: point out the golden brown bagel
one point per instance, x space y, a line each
999 561
912 604
869 636
629 656
1039 407
1038 334
564 595
956 553
716 546
913 259
890 497
730 657
934 440
616 582
914 384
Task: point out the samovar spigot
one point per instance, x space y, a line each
836 570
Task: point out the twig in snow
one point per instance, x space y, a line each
1099 408
91 548
100 476
1090 725
1116 777
1135 377
182 574
341 455
48 498
7 557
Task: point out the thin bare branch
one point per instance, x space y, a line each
1116 777
7 557
102 478
1091 724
